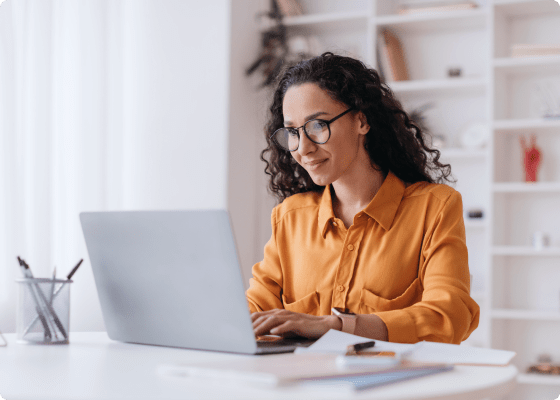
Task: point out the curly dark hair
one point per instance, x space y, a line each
394 142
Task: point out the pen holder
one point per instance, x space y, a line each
43 313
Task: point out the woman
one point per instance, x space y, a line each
364 240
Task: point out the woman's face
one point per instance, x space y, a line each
328 162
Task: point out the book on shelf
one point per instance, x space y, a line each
525 50
392 62
430 7
289 8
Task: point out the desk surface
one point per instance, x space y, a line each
94 367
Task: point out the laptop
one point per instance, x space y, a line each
172 278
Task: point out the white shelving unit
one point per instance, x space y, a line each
517 287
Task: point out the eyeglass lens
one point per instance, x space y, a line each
288 138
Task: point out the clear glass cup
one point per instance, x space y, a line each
43 313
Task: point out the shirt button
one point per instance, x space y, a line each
350 247
340 288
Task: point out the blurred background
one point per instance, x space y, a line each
161 104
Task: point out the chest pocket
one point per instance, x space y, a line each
306 305
370 302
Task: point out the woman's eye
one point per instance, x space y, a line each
316 125
293 133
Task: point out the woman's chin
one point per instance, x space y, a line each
320 180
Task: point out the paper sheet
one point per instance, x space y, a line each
336 342
429 352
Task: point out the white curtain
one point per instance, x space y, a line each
59 61
105 105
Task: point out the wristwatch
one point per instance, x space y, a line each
348 319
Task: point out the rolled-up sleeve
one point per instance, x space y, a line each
265 287
446 312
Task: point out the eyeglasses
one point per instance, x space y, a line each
316 130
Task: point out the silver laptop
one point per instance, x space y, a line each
172 278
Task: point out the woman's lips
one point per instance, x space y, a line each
315 164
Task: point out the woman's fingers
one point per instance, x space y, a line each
288 323
283 329
264 323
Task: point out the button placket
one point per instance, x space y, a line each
347 265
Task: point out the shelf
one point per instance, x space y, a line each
522 187
525 251
452 85
536 379
524 8
475 223
455 20
347 18
530 315
458 153
528 65
515 125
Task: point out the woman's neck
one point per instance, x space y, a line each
352 192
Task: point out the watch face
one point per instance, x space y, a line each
343 311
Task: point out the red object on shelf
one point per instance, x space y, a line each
531 158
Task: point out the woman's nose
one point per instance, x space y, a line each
306 146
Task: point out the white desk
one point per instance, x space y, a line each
94 367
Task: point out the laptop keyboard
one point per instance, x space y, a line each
281 345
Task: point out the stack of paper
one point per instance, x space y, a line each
287 369
335 342
320 363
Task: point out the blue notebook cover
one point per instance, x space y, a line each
384 378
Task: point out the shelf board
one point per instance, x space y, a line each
514 125
537 379
476 223
522 187
461 19
525 251
347 18
459 153
450 85
530 315
524 8
528 65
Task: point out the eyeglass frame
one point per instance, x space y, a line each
329 122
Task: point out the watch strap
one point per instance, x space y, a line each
348 321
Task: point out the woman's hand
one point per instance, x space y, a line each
287 323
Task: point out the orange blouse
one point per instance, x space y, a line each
404 258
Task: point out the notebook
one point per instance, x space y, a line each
281 370
172 278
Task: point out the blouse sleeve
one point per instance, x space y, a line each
265 287
446 312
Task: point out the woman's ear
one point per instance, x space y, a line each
363 127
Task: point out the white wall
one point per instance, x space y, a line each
175 103
247 114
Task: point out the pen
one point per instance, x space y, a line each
57 291
51 297
40 315
75 269
355 348
50 309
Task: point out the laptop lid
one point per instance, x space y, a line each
169 278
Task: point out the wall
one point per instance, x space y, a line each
247 114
